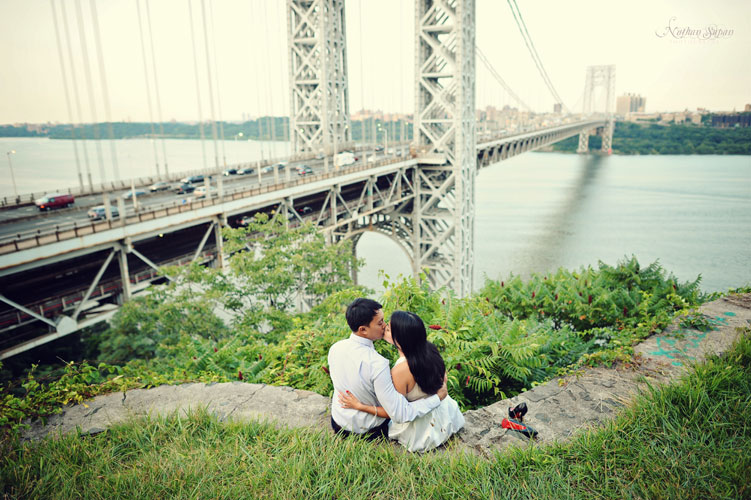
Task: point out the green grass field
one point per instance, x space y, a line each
689 440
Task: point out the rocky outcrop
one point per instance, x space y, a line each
557 409
563 406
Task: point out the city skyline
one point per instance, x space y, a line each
654 47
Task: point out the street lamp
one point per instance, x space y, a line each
12 177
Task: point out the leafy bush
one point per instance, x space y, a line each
497 342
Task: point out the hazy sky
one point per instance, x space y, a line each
250 40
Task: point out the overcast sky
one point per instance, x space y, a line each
250 40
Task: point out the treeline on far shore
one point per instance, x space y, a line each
264 129
653 139
628 138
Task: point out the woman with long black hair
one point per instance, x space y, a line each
418 373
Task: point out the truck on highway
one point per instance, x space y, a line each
55 200
344 158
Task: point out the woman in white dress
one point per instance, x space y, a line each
418 373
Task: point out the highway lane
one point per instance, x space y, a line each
29 219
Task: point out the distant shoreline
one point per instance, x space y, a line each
628 138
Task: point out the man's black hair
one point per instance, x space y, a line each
361 312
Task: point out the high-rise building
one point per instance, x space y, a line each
557 107
630 103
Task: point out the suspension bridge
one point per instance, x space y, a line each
58 276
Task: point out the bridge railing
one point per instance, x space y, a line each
561 126
140 182
74 229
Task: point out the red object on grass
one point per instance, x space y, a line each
435 327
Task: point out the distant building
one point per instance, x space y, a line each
630 103
727 120
747 107
557 107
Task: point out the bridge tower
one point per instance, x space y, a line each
599 76
319 96
443 221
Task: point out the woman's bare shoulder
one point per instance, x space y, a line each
401 373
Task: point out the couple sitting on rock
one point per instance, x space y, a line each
409 403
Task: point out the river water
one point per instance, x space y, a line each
534 213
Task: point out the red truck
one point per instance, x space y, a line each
55 200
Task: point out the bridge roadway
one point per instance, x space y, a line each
49 262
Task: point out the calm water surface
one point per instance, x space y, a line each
535 212
540 211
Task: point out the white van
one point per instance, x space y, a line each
344 158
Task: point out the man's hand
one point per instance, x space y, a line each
443 392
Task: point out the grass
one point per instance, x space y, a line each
688 440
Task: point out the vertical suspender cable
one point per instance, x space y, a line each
90 90
148 87
198 87
285 115
67 94
216 78
156 89
362 80
401 81
259 122
105 90
64 15
211 87
270 92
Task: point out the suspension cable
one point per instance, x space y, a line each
533 52
269 89
76 96
211 87
216 77
105 90
156 89
259 123
67 94
148 87
90 90
198 87
285 121
362 78
500 80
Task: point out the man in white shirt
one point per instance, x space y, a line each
355 366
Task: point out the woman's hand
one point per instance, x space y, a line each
349 400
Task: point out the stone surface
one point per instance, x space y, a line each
557 409
561 407
229 400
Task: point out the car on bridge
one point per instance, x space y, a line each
229 171
129 194
201 192
192 179
54 200
185 188
245 171
159 186
270 168
99 212
303 170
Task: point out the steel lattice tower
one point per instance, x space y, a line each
599 76
319 97
443 213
